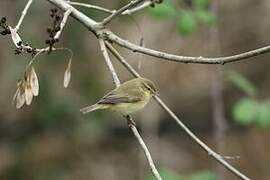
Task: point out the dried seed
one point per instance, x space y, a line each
67 74
20 98
34 82
28 91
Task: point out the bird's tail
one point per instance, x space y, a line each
91 108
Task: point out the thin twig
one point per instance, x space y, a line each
126 12
24 12
128 117
118 12
104 51
185 59
210 152
145 149
137 8
90 6
63 23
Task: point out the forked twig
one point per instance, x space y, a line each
24 12
210 152
131 123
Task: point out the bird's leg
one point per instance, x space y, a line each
130 121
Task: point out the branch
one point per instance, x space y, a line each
185 59
137 8
104 51
24 12
93 26
90 6
210 152
118 12
63 23
131 123
126 12
145 149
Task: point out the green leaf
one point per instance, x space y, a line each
206 17
166 174
242 83
204 175
264 115
164 10
202 4
245 111
187 24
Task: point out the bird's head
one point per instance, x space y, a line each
148 86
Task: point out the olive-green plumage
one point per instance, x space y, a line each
129 97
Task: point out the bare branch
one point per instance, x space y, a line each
185 59
145 149
118 12
126 12
93 26
90 6
63 23
82 18
137 8
24 12
210 152
131 123
104 51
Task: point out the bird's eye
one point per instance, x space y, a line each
148 89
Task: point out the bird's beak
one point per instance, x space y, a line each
157 94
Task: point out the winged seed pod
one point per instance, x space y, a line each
34 81
19 96
28 91
15 37
67 74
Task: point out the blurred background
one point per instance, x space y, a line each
226 106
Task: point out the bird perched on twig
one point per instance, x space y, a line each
129 97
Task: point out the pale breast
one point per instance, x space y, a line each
127 108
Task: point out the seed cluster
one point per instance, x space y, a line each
54 28
25 47
27 88
3 24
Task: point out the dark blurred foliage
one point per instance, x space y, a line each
51 140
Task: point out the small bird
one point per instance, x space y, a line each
129 97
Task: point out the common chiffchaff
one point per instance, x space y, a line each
129 97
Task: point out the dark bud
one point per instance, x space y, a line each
49 30
152 5
26 44
48 41
56 40
53 41
58 17
57 28
19 43
54 10
17 51
51 35
29 50
52 15
3 33
8 31
3 20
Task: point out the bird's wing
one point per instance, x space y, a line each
113 98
